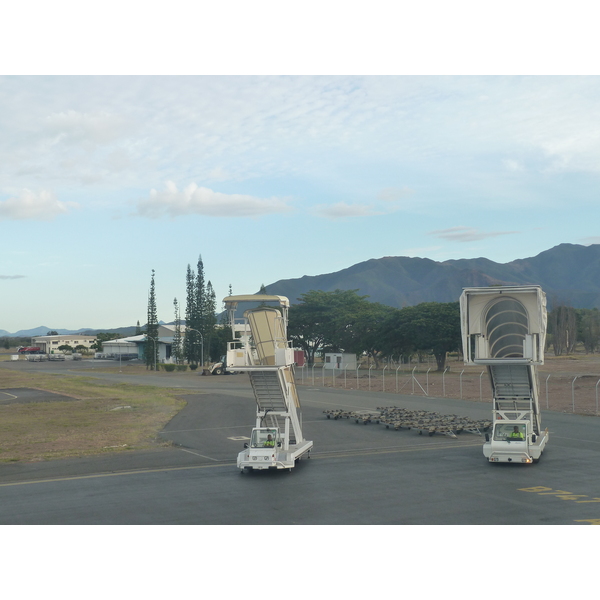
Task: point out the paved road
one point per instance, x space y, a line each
358 474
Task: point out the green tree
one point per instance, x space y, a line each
191 339
102 337
177 346
588 329
210 320
151 346
365 335
428 327
200 314
562 327
65 348
323 321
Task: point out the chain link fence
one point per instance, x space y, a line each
558 390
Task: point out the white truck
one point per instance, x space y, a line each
504 329
265 353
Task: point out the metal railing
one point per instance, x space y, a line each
573 393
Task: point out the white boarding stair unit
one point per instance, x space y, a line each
504 328
265 354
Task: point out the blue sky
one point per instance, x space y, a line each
104 178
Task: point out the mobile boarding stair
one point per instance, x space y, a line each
504 328
264 352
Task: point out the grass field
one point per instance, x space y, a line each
104 417
98 417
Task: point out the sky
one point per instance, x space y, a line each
110 172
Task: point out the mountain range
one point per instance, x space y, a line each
568 273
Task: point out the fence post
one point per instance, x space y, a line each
460 380
427 380
397 377
357 382
547 390
573 391
383 376
413 379
370 377
480 390
323 374
444 382
313 374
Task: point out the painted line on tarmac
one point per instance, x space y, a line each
11 395
392 450
317 456
201 455
97 475
165 431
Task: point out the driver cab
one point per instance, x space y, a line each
510 432
265 438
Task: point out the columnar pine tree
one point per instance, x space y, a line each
200 314
200 297
190 346
151 348
211 316
177 348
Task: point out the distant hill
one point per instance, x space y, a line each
568 273
38 331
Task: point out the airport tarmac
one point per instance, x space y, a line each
358 474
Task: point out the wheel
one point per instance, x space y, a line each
218 371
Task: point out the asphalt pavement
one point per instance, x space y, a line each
358 474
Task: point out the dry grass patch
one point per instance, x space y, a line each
104 417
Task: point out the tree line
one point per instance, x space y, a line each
196 337
343 321
568 327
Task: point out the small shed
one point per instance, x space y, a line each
340 360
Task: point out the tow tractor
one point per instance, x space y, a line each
265 353
504 329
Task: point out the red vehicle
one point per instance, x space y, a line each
29 350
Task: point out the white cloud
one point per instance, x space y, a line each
93 128
591 240
12 276
389 200
194 200
467 234
342 210
40 206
